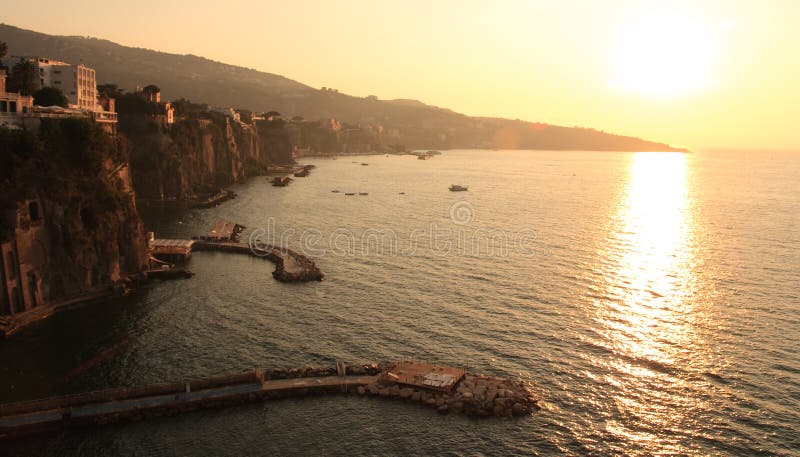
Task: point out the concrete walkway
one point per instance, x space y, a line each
99 409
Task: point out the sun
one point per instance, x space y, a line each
662 55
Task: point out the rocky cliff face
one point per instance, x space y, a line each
274 142
191 158
69 220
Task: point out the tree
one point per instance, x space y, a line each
50 96
109 90
151 89
22 78
186 108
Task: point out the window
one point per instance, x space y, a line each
32 289
16 300
12 265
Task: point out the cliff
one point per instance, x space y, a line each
193 157
275 142
68 220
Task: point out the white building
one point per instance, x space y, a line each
77 82
12 105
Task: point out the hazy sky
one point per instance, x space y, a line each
702 73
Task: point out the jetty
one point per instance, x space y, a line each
466 393
206 201
290 266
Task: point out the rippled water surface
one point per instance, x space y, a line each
651 299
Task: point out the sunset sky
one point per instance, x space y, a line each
702 74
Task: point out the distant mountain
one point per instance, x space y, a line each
407 122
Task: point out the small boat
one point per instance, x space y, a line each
349 193
402 193
363 193
335 191
457 188
281 181
364 164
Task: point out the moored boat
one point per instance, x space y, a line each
458 188
281 181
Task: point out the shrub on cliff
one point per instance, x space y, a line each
50 96
80 142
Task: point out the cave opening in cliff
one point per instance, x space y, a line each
33 211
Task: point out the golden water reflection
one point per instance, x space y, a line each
650 281
653 278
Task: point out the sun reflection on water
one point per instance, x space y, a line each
646 318
653 270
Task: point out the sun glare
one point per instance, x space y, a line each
662 55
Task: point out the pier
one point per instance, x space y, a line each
290 266
470 394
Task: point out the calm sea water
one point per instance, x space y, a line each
651 299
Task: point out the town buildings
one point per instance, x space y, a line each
77 82
22 253
12 105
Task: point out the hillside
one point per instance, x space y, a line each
407 122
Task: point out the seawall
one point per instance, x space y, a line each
472 394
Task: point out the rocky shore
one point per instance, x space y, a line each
475 395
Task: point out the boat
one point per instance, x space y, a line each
335 191
422 156
349 193
363 193
457 188
364 164
281 181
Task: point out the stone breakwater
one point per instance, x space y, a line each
475 395
290 266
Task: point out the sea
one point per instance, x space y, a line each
651 300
